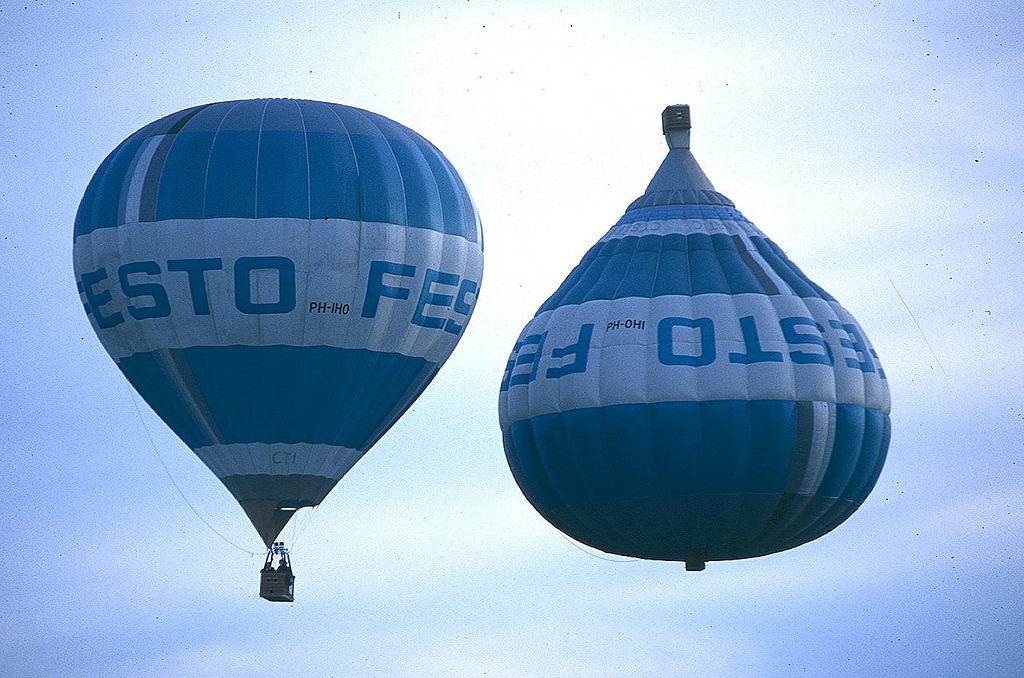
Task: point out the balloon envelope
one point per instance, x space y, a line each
279 279
688 393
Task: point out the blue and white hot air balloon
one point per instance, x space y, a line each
279 280
688 393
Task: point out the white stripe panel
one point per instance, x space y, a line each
137 177
332 261
327 461
830 440
684 226
623 365
188 398
821 450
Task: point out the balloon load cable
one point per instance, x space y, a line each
156 450
919 328
298 529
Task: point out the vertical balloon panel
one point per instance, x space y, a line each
688 393
280 280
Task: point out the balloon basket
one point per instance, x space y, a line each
277 584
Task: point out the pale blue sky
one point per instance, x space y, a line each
880 144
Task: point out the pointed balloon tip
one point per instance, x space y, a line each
675 125
267 518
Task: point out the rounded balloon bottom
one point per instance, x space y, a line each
708 527
699 480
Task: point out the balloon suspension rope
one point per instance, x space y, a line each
152 444
298 529
919 329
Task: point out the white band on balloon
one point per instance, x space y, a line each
752 362
413 314
327 461
706 225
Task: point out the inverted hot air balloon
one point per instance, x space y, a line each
279 280
688 394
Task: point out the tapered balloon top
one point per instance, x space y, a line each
680 170
688 393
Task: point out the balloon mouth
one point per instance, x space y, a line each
269 517
293 505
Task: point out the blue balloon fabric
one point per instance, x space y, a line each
280 280
688 393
